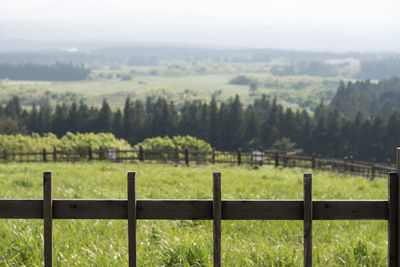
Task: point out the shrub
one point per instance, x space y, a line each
70 141
180 142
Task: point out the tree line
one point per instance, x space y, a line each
307 68
226 126
369 98
41 72
380 68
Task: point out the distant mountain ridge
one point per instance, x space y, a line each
50 52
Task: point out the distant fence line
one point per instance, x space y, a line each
216 209
175 156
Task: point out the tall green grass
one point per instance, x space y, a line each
188 243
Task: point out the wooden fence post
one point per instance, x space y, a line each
344 165
319 162
393 220
100 153
351 159
239 156
398 201
213 156
5 155
176 156
217 218
132 218
44 155
187 157
373 169
276 159
313 161
47 220
141 154
398 160
54 154
90 156
389 164
307 225
262 154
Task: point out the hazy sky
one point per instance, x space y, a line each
340 25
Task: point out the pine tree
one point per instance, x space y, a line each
117 124
212 129
128 123
104 119
33 120
59 122
73 118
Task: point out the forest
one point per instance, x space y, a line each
226 126
40 72
381 98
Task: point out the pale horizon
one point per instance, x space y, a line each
311 25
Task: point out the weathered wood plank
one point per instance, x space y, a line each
90 209
159 209
21 209
262 210
398 198
307 224
217 218
350 210
393 220
47 220
132 218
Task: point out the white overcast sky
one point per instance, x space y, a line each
340 25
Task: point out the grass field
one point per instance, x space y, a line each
292 91
188 243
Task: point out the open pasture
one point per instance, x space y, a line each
189 243
292 91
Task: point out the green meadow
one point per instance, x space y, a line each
188 243
177 84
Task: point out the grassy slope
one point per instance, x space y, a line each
184 243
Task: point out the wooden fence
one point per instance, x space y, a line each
255 158
216 209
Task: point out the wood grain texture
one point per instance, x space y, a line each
393 244
132 218
159 209
217 218
21 209
398 198
307 224
47 220
350 210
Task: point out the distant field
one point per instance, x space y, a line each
177 85
189 243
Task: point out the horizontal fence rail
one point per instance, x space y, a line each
216 209
186 157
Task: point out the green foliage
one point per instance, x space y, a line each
43 72
308 68
241 80
176 79
380 69
36 142
9 126
95 141
285 145
369 98
180 142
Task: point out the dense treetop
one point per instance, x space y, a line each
39 72
368 98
